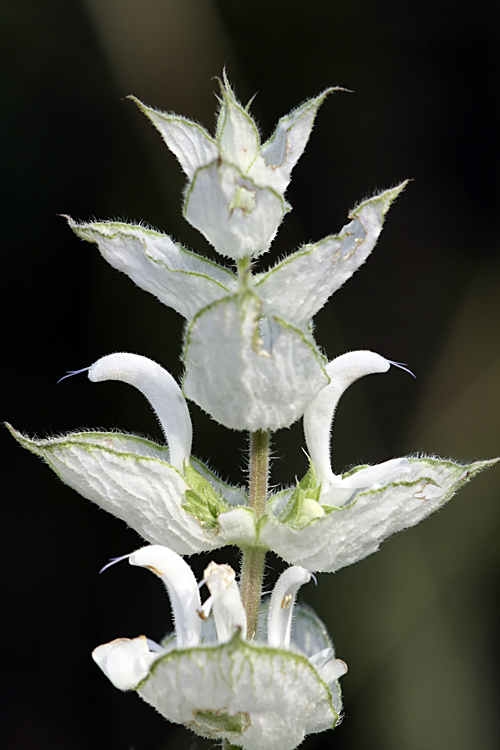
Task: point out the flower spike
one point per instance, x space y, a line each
252 364
162 392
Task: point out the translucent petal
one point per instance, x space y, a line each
190 142
297 287
236 216
180 279
243 385
348 534
328 668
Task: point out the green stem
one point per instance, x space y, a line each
252 566
259 471
244 266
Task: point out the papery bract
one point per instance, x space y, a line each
235 194
259 696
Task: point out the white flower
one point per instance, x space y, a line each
330 521
259 695
163 493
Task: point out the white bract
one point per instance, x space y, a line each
259 695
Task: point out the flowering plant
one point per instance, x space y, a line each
239 667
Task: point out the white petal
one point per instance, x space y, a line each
125 661
182 589
348 534
131 478
231 375
180 279
285 147
237 134
329 669
310 636
190 143
340 491
318 417
297 287
256 697
162 392
225 601
279 618
236 216
379 474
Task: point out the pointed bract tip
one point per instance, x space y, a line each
136 101
334 89
390 195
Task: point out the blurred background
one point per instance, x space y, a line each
418 622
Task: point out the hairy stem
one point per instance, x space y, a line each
252 566
259 470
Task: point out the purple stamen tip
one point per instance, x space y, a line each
73 372
113 561
402 366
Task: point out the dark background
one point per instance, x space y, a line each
418 622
